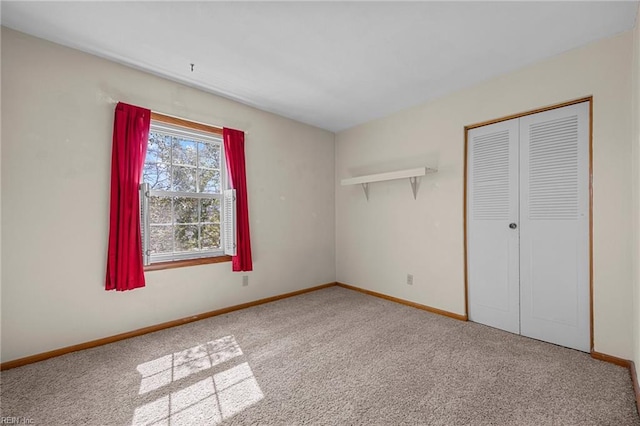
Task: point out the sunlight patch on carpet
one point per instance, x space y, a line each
206 402
164 370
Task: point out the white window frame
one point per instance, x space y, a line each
227 242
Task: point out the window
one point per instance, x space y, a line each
182 195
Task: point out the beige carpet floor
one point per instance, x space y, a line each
330 357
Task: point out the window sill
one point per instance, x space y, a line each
188 262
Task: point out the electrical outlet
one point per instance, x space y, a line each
410 279
245 280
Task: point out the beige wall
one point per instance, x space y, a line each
380 241
56 143
636 191
0 197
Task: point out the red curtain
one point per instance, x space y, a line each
234 152
125 270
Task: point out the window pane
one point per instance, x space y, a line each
184 179
186 210
209 155
210 210
158 148
157 176
159 210
160 239
186 237
210 237
209 181
182 224
184 152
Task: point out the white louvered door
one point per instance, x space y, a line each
554 226
492 204
528 226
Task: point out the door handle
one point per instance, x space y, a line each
512 225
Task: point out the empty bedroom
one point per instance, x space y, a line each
322 213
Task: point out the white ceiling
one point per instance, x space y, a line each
329 64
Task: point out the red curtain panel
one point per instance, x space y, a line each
234 152
125 270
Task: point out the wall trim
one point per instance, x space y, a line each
611 359
622 363
405 302
530 112
636 385
591 315
185 123
171 264
139 332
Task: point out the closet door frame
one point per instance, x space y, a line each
588 99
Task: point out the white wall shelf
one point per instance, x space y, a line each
411 174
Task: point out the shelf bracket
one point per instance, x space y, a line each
414 186
365 188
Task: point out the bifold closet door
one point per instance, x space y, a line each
492 206
554 226
528 226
